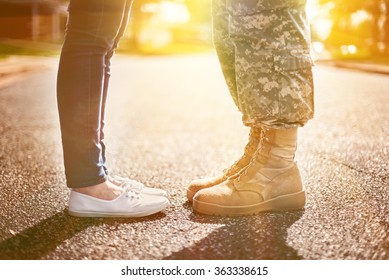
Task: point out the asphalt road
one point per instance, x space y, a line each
170 120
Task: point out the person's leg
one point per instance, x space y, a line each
91 31
273 65
117 180
224 47
275 92
107 75
225 50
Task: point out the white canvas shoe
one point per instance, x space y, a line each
136 186
128 204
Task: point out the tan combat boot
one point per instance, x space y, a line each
249 150
271 182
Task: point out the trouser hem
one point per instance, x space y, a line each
87 183
273 124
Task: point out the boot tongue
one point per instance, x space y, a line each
280 144
274 156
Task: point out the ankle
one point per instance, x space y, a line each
105 191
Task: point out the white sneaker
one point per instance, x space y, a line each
128 204
136 186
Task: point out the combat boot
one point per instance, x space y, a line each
243 161
271 182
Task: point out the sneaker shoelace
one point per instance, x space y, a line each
132 188
130 193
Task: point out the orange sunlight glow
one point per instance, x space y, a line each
168 12
319 17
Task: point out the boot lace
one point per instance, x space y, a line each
253 160
255 133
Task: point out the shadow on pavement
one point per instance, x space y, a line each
37 241
254 237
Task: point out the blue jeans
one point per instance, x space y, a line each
93 31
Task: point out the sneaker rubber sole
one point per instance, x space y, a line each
139 214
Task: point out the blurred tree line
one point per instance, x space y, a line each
147 28
361 24
364 23
199 9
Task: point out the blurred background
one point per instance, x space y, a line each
341 29
172 120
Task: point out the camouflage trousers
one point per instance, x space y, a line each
264 51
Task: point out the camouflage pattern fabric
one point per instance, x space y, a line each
264 51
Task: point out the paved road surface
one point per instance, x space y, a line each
170 120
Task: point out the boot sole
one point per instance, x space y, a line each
289 202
